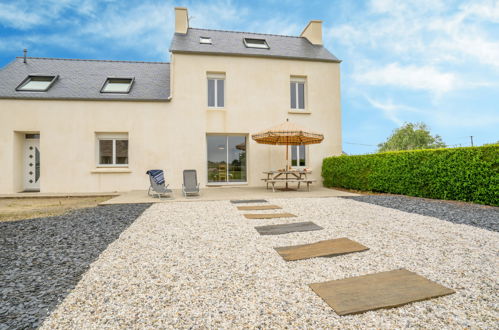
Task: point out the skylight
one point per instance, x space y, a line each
35 83
117 85
255 43
205 40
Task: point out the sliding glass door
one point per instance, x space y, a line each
226 158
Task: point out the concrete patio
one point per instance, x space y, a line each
225 193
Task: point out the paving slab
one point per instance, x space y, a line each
375 291
327 248
268 215
244 201
258 207
287 228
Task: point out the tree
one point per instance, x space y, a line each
411 136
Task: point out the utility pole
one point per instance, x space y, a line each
471 137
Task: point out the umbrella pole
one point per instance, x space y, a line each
287 167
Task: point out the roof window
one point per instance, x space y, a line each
36 83
255 43
117 85
205 40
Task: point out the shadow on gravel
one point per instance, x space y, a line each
42 260
486 217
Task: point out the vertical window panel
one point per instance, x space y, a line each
105 152
301 152
122 152
301 95
211 92
293 95
220 93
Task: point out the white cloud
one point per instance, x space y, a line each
425 78
392 111
17 16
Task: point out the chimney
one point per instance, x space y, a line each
181 20
25 51
313 32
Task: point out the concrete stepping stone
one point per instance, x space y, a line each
268 215
375 291
258 207
328 248
287 228
241 201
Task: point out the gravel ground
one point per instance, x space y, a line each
486 217
203 265
43 259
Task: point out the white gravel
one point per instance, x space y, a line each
202 265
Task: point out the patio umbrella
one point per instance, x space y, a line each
287 134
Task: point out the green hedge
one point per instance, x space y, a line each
465 174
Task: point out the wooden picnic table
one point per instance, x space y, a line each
288 176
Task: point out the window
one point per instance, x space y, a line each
117 85
112 149
297 94
298 156
226 158
205 40
255 43
216 90
35 83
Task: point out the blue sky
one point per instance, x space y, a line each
403 61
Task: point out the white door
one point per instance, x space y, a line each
32 162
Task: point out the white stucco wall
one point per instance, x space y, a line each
172 135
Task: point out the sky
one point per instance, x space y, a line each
428 61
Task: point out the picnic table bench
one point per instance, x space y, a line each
290 176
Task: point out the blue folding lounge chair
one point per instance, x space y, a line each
190 187
158 187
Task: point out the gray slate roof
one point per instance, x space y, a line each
83 79
231 43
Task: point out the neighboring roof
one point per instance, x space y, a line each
83 79
231 43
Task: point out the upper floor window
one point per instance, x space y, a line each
297 93
112 149
35 83
117 85
298 156
255 43
216 90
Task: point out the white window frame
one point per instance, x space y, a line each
299 80
205 40
113 137
298 166
215 77
249 44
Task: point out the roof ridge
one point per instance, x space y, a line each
242 32
88 60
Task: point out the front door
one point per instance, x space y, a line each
32 162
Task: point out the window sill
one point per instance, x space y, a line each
302 112
216 109
111 170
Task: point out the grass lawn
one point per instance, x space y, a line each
27 208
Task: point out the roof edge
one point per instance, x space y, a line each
35 98
256 55
86 60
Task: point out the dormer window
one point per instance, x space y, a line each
255 43
205 40
36 83
117 85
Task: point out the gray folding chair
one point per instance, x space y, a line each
190 187
158 187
